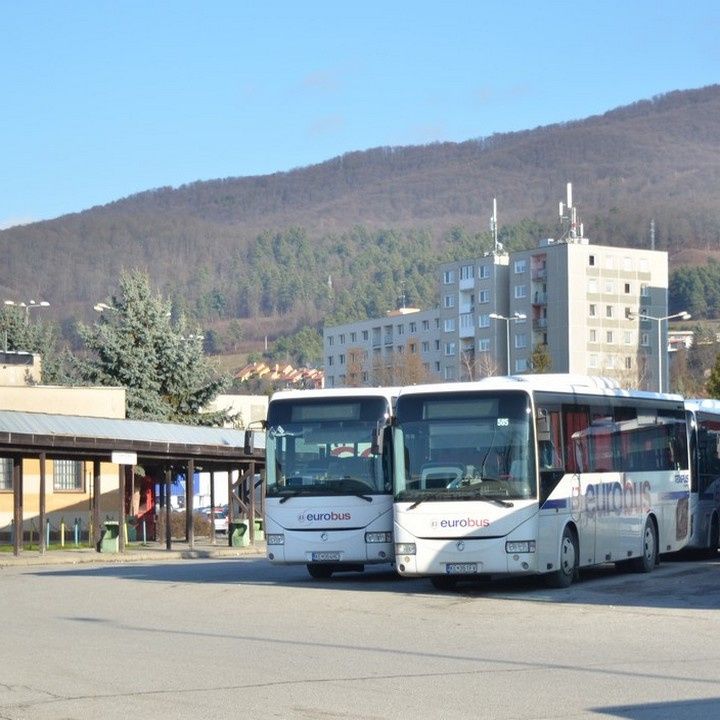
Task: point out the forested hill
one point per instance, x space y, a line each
301 244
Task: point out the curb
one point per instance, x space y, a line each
87 556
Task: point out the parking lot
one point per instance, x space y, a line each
229 638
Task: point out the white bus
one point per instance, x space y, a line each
539 474
704 424
329 482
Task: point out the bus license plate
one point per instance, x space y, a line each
461 568
325 557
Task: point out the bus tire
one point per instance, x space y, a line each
714 539
649 556
569 559
320 572
443 582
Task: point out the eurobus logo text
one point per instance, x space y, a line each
461 523
323 516
613 498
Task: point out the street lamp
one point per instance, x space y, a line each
677 316
515 317
28 306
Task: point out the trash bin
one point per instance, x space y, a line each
110 537
238 535
259 529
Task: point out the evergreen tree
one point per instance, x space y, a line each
136 344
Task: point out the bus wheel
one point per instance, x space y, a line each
712 548
443 582
649 557
320 572
565 574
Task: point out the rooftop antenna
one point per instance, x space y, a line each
652 234
494 228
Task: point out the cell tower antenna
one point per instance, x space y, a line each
652 234
493 225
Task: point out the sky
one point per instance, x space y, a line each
105 99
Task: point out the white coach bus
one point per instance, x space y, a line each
704 423
329 481
539 474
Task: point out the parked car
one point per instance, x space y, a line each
220 518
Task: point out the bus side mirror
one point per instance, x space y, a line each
376 442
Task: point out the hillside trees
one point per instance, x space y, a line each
136 345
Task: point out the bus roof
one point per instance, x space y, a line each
552 382
709 405
385 392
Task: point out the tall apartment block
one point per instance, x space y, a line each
588 309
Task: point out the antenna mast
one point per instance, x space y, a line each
493 226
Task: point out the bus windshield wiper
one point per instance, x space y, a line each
336 489
287 493
428 497
497 501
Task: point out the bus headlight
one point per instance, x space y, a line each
378 537
519 546
404 548
275 540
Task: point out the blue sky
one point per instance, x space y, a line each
105 99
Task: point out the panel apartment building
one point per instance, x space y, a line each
580 302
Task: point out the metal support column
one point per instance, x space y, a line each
96 494
168 528
189 488
17 506
42 539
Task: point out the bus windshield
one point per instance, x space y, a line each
464 446
326 446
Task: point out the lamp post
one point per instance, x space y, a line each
28 306
677 316
514 318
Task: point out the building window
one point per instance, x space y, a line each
592 285
520 341
610 287
342 338
521 365
437 366
342 359
610 361
593 336
628 363
449 277
331 340
467 321
591 260
592 311
437 344
593 360
610 262
467 272
645 339
644 265
426 325
520 266
450 373
365 335
413 327
353 337
6 474
67 475
413 348
484 345
330 360
449 301
627 264
425 346
644 290
609 311
450 348
627 338
520 291
400 329
484 297
609 337
627 288
484 321
449 325
483 272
